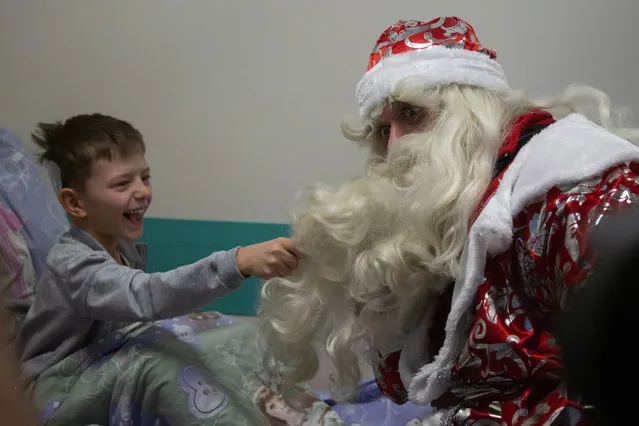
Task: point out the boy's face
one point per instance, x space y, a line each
116 197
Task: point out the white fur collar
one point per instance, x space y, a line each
567 151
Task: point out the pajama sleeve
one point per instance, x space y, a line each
94 286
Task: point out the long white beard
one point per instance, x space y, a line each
375 251
377 248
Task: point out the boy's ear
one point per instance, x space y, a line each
72 203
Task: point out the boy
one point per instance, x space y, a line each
94 280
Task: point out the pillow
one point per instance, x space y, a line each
27 193
31 222
17 275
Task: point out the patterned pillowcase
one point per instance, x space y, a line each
17 275
27 192
31 221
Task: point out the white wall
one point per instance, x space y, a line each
240 100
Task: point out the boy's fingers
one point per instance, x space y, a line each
289 245
289 260
287 263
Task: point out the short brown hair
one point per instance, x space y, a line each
75 144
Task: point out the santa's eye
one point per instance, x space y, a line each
411 114
384 131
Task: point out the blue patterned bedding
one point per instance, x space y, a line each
371 408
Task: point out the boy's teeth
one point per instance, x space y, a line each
135 215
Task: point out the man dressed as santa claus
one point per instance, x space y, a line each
451 261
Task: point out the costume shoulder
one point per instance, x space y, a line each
575 174
569 151
552 235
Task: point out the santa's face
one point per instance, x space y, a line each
399 119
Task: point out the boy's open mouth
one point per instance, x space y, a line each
135 215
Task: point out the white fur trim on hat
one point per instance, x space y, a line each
436 65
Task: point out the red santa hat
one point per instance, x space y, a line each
443 51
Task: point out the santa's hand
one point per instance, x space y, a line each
274 258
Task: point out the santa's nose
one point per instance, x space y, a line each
395 133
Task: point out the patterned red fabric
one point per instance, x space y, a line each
407 36
509 371
388 379
550 261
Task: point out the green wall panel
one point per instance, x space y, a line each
175 242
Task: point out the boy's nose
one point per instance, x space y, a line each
142 191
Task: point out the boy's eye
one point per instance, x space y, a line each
120 185
146 178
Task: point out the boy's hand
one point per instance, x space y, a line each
275 258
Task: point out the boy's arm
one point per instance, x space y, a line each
95 286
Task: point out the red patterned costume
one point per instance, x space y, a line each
508 367
491 356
